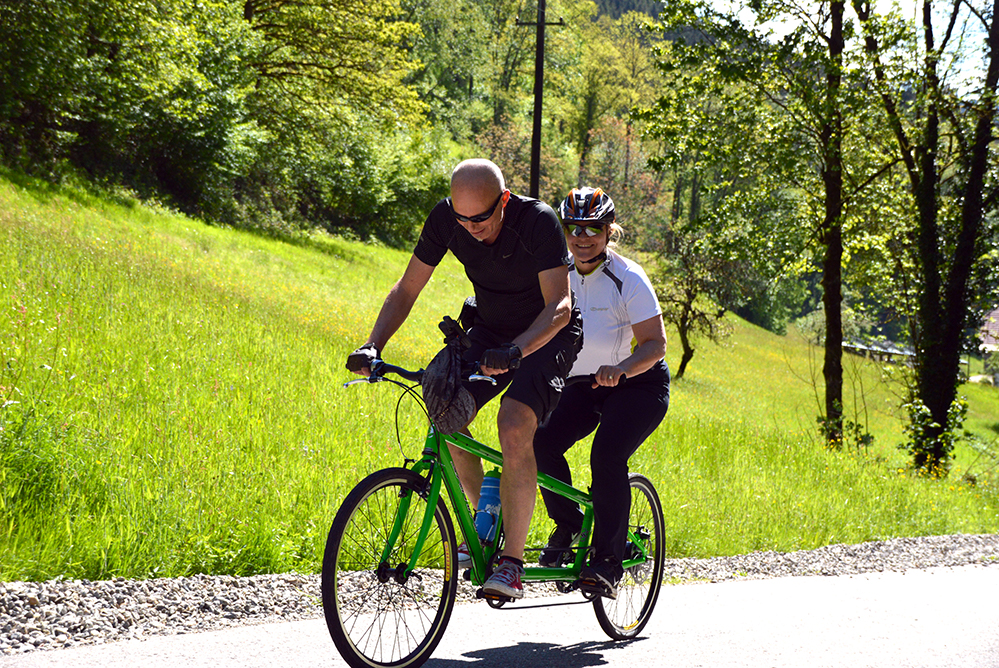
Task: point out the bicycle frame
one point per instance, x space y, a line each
437 467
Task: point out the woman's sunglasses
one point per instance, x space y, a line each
474 219
591 230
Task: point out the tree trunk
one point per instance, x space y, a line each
832 302
677 209
688 351
584 153
832 234
944 304
932 387
627 156
584 140
695 198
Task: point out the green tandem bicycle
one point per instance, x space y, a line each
390 568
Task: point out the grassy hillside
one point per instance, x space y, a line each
173 403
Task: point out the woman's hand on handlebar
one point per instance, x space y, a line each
608 376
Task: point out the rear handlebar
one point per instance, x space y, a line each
588 378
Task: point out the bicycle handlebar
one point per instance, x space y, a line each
380 367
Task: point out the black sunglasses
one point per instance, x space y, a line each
591 230
474 219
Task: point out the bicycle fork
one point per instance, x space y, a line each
431 492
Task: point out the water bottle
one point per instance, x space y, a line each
487 514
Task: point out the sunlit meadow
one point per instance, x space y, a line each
172 403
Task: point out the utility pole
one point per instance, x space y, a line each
539 85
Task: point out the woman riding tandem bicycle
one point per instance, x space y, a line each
618 304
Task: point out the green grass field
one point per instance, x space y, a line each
173 404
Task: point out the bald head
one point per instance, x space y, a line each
478 198
478 177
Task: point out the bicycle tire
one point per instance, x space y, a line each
625 616
374 618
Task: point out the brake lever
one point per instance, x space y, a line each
369 379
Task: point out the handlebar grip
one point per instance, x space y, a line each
380 368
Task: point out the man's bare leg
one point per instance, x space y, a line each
518 484
469 470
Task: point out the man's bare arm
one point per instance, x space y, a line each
555 316
399 301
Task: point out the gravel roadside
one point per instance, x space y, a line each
64 613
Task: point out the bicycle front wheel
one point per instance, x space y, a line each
376 612
638 591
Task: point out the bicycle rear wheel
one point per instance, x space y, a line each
638 591
376 614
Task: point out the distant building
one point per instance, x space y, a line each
880 351
990 345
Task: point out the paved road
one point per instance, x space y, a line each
927 618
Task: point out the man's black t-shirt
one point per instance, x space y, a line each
504 274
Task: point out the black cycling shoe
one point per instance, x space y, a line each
557 552
600 578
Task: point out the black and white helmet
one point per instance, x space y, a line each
587 204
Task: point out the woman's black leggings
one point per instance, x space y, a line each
624 416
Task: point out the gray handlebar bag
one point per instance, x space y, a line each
450 405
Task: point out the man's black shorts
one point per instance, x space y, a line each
539 381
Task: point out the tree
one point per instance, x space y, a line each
508 144
244 113
637 42
450 51
806 75
510 58
597 86
943 130
728 156
343 55
605 71
693 281
147 93
619 161
617 8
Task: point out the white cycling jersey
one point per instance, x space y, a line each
611 299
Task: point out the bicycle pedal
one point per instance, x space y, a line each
564 587
497 598
592 588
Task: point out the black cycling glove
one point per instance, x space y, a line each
362 357
507 356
